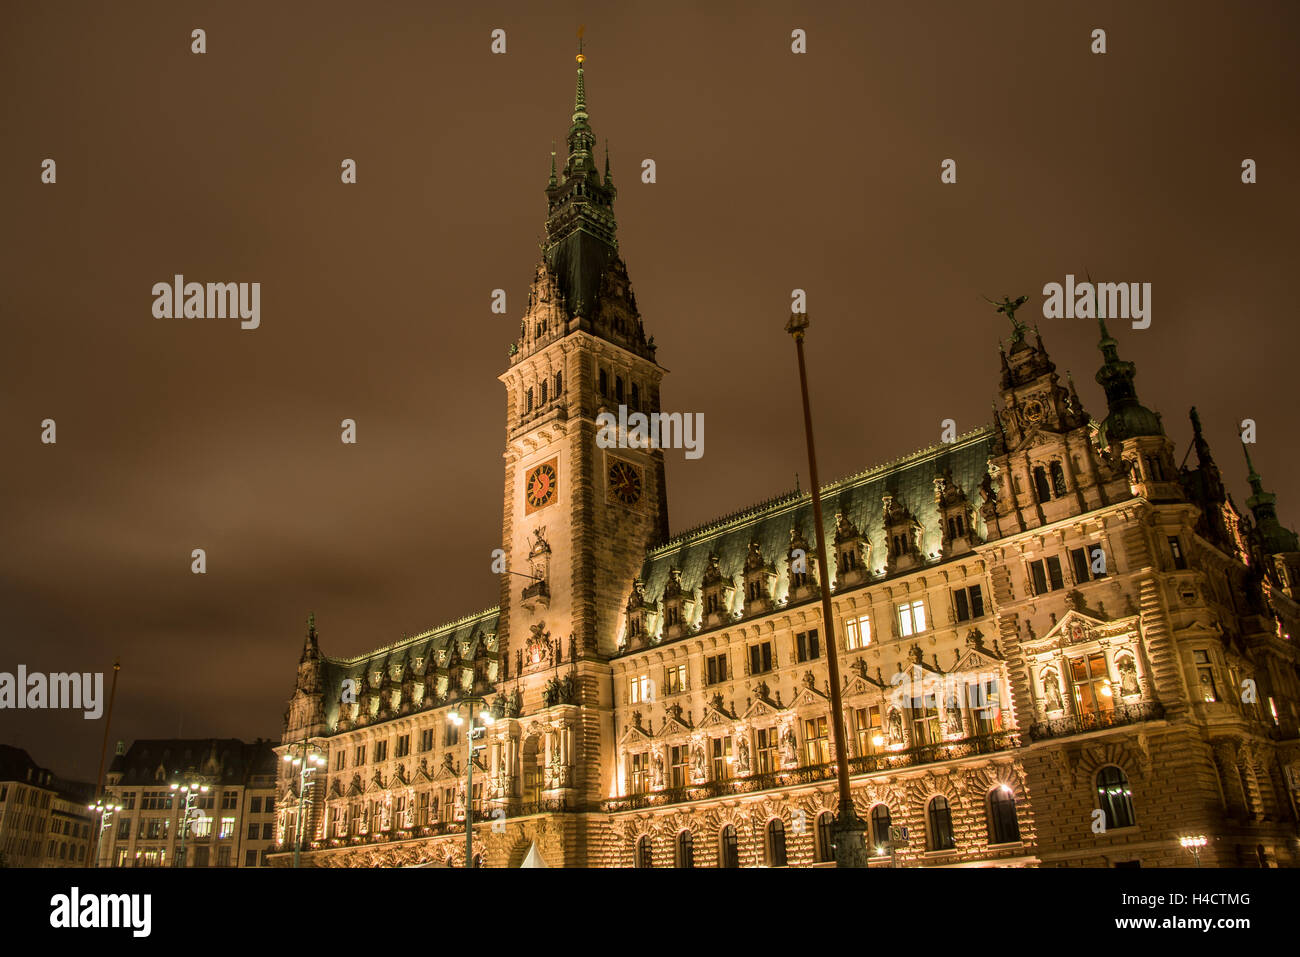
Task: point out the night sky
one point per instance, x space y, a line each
775 171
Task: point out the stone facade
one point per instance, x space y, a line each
1058 646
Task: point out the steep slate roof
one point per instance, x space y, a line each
910 479
465 631
17 765
231 760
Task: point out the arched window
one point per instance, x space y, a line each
1058 479
543 393
685 850
1114 797
528 401
1041 488
825 849
939 831
643 855
1004 827
775 843
559 383
880 825
727 855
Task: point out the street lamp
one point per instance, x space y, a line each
485 717
308 759
105 809
191 790
850 844
1194 844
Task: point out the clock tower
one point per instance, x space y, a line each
577 517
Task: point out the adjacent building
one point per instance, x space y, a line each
45 821
229 811
1062 645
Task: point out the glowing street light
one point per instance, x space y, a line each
308 759
104 809
485 720
191 790
1194 844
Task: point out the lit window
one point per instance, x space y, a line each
1205 676
675 679
857 633
227 828
639 689
1114 797
1092 690
721 753
816 741
911 618
1004 828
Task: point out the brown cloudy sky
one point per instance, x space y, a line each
818 171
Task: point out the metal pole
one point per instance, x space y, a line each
854 854
103 752
469 792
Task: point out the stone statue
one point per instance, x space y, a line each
895 726
658 763
791 750
1128 678
697 762
1052 692
742 758
954 714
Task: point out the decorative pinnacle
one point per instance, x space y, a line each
797 325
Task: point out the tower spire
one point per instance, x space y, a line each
1273 535
1127 416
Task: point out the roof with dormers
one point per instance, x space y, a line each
391 659
909 479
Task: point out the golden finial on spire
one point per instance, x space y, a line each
580 57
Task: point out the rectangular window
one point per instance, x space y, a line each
227 828
721 751
266 830
403 745
816 742
1176 550
675 678
716 668
426 739
679 759
925 719
968 602
360 757
1047 575
866 727
766 750
250 858
640 772
252 832
857 633
1208 690
223 856
760 658
1092 691
422 808
806 646
452 737
638 689
255 805
1088 563
381 750
985 700
229 800
911 618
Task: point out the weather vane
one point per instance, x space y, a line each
581 30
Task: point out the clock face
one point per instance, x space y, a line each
625 483
539 486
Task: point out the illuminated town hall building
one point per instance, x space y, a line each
1058 645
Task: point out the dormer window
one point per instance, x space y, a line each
956 526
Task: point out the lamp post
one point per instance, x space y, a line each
308 758
850 831
105 810
473 731
1194 844
191 790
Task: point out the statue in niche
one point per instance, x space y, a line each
658 763
1052 691
1128 677
697 762
790 751
895 726
954 713
742 756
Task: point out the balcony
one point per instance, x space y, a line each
1096 721
812 774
